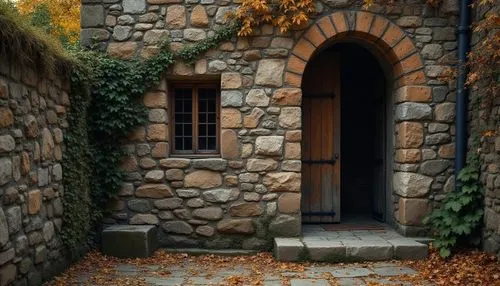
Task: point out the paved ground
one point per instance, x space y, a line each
379 273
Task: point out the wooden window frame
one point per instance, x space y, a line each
195 152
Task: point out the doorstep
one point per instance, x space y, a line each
317 244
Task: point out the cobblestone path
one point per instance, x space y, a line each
379 273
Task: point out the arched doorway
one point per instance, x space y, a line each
344 92
405 88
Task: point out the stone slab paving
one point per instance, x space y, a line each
317 244
316 275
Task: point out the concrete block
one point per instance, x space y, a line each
324 250
372 250
288 249
129 241
405 248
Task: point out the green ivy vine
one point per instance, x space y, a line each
458 222
106 106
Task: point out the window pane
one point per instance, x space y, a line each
211 130
211 143
207 121
188 143
183 115
202 143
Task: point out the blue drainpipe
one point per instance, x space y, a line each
462 92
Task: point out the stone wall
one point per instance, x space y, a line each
251 192
32 124
489 152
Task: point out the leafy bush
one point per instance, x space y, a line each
458 222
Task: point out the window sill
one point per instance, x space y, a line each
196 156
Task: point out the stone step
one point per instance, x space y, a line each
129 241
348 249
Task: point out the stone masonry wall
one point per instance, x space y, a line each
489 154
251 192
32 124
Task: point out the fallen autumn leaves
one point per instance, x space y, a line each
466 268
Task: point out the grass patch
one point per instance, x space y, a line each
30 46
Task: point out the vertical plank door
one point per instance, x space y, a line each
321 140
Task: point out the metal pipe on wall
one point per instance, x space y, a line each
462 91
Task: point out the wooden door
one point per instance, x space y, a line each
321 140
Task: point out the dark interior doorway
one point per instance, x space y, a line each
363 133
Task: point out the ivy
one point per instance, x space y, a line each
76 165
190 53
458 222
106 106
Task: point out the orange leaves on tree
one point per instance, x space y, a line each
284 14
64 14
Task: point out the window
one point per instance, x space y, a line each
195 119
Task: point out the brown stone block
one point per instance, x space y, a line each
447 151
181 68
230 80
378 26
34 202
416 77
304 49
315 36
245 209
203 179
363 21
200 67
199 16
408 155
149 51
253 119
414 94
411 63
156 99
412 211
124 51
338 19
282 182
25 163
325 24
289 203
296 65
157 132
404 48
292 151
392 35
6 117
176 17
230 148
410 135
236 226
293 136
287 96
155 191
230 118
292 79
160 150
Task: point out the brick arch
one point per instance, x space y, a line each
398 49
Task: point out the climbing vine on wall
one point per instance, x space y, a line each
107 92
458 222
